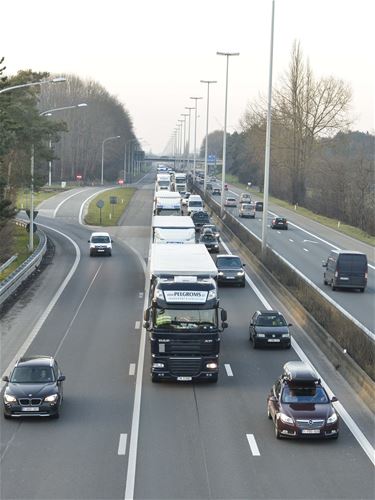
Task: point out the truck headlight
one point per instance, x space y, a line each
211 366
157 365
8 398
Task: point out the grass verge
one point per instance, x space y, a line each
23 196
21 242
110 213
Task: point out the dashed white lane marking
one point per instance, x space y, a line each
305 249
132 369
228 370
292 241
140 295
253 445
122 444
137 325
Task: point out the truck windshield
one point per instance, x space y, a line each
168 211
186 319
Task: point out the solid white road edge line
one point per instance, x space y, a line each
352 426
228 370
253 445
34 332
132 369
122 444
66 199
88 199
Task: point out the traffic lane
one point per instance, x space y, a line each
50 206
95 351
21 317
307 257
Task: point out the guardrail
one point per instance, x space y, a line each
15 279
346 331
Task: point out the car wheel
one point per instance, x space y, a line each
288 346
7 417
277 433
243 284
325 282
335 436
56 415
91 254
255 345
110 253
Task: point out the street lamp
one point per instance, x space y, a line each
32 84
206 145
180 148
268 143
49 112
185 115
195 134
188 146
105 140
227 54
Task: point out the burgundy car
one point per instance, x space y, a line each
299 405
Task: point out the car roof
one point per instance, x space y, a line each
35 360
298 371
347 252
100 233
269 312
227 255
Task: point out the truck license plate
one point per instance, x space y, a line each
311 431
184 379
30 408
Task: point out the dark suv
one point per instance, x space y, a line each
279 223
299 405
34 388
269 328
199 219
230 270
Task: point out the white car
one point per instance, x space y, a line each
100 244
247 210
230 202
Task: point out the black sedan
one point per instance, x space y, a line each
230 270
279 223
269 328
216 192
34 388
209 239
299 405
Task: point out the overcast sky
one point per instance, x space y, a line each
152 54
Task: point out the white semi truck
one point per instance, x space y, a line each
173 229
184 318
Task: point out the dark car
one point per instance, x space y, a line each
209 239
279 223
299 405
259 206
216 192
213 228
34 388
346 269
269 328
209 186
200 218
230 270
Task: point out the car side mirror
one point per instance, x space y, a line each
273 399
324 264
5 378
290 324
251 324
88 241
61 378
334 399
146 324
223 315
243 265
146 315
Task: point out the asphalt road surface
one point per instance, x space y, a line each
189 441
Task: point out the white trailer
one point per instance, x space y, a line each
167 203
173 229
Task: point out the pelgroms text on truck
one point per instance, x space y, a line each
184 319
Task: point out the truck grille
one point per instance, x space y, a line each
185 367
190 346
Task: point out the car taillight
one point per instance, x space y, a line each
366 275
336 273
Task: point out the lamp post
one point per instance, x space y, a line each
268 142
125 157
188 143
181 139
195 134
227 54
49 112
105 140
185 115
206 145
32 84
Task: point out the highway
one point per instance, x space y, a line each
305 245
188 441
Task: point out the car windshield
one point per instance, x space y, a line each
228 262
196 203
207 237
270 320
32 375
100 239
307 394
185 319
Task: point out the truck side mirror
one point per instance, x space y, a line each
224 325
324 264
223 315
5 378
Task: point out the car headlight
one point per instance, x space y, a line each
220 273
52 398
240 273
8 398
284 418
332 419
262 335
285 335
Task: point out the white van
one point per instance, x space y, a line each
195 204
100 244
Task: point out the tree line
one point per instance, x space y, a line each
316 160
